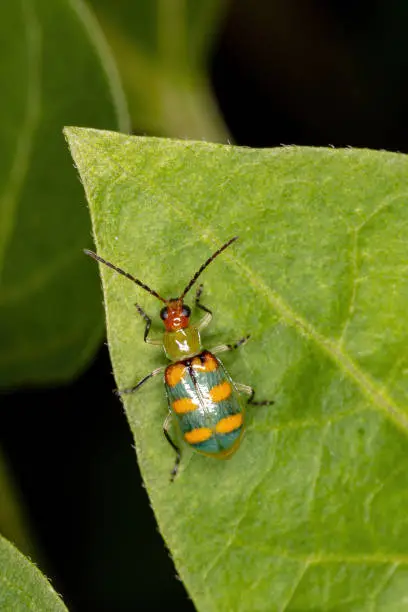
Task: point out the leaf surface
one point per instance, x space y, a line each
310 513
55 69
22 585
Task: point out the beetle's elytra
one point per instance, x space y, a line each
203 399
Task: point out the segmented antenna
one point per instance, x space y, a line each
129 276
207 263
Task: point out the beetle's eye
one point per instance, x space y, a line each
163 313
186 312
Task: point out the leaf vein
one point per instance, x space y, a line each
296 584
320 558
388 574
242 517
386 203
318 461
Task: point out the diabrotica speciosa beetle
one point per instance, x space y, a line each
202 397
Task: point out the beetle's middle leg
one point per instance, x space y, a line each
250 391
141 382
222 348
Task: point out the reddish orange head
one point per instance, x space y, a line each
175 315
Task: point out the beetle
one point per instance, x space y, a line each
202 397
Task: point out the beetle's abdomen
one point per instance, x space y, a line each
206 405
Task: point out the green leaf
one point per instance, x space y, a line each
310 514
22 585
162 50
55 69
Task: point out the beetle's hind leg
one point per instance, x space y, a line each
174 446
241 388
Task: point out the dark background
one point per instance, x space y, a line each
284 72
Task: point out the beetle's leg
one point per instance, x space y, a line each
148 322
141 382
174 471
208 313
241 388
221 348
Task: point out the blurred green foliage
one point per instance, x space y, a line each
57 71
162 50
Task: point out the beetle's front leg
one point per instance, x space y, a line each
148 322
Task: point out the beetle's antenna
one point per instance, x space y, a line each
129 276
207 263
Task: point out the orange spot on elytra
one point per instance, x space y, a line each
200 434
229 423
221 392
205 363
174 374
185 404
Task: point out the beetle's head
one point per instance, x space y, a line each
175 315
